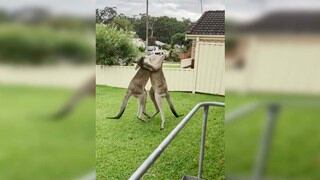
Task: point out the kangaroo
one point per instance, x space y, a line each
137 89
159 87
87 89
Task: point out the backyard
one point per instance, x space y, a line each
296 142
33 146
122 145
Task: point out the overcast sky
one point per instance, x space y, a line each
239 9
174 8
251 9
74 7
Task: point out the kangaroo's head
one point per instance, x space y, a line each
139 62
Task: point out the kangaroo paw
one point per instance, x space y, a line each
147 115
141 119
154 114
116 117
179 115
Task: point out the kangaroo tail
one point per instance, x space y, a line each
123 106
174 112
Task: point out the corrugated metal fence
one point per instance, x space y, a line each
207 77
278 65
209 67
120 76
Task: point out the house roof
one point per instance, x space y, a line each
285 22
210 23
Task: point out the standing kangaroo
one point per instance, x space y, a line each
159 87
150 67
137 89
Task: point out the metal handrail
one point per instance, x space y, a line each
163 145
272 113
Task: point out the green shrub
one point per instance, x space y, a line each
167 47
178 38
141 49
114 46
173 56
26 44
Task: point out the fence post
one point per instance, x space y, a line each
195 68
261 160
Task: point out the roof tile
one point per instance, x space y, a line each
210 23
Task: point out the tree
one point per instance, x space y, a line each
165 27
105 15
162 28
122 22
178 38
139 24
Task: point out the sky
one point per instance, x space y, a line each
73 7
236 9
174 8
246 10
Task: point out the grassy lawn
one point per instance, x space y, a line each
122 145
295 148
34 147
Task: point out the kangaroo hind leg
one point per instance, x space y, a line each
159 104
142 99
153 99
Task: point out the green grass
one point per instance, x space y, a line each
35 147
122 145
295 151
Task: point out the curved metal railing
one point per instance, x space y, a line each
163 145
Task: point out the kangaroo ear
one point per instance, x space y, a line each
139 59
139 62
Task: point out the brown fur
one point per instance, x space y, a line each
159 87
88 89
137 89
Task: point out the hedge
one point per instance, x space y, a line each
114 46
36 45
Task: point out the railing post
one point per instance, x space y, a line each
203 139
261 160
163 145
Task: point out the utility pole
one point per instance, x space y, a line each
201 6
147 25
